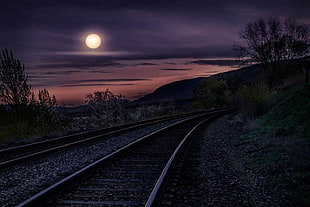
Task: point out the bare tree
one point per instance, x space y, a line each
107 107
297 40
45 99
44 111
29 115
270 42
14 89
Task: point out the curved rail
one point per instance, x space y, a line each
43 195
91 132
78 138
154 197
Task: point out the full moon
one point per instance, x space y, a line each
93 41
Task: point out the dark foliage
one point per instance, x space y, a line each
272 43
22 115
210 93
14 89
108 108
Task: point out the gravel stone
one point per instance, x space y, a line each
19 182
224 182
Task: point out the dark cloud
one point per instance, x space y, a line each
176 69
97 71
63 72
141 29
79 63
95 84
43 81
145 64
113 80
87 82
48 36
215 62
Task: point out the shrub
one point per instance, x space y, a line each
252 100
108 108
211 93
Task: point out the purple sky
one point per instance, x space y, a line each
146 43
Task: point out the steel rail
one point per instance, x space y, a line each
154 197
5 150
40 197
132 126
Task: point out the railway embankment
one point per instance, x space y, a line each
263 162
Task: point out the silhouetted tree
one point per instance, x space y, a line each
107 106
211 93
14 89
271 41
27 115
233 82
45 115
306 67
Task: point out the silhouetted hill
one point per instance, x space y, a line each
183 90
248 74
172 91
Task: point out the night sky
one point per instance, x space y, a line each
145 43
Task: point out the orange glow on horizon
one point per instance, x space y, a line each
132 78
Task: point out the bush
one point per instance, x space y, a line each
210 93
5 116
290 113
252 100
22 115
107 108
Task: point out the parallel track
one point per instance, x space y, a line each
18 154
130 176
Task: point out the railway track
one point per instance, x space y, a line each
183 184
133 175
22 153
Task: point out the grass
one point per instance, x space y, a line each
279 149
275 146
290 113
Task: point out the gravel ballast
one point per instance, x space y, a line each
242 167
224 182
236 168
21 181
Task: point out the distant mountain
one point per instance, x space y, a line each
183 90
172 91
248 74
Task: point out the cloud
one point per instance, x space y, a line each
79 63
115 80
44 81
96 84
88 82
64 72
176 69
139 29
93 53
98 71
228 62
145 64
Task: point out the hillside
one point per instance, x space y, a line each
176 91
278 150
183 90
290 113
